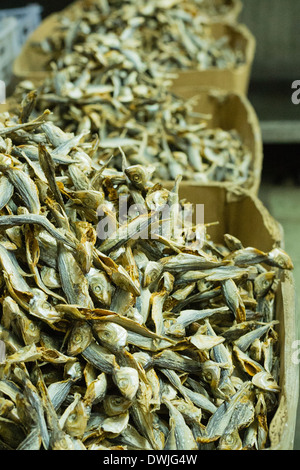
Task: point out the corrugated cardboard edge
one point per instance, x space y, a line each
283 425
254 134
233 15
235 79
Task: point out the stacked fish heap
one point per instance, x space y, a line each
153 337
105 81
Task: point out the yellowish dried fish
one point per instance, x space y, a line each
14 319
80 338
262 422
230 442
265 381
75 417
74 283
18 220
116 404
113 340
100 286
127 381
6 191
233 300
111 335
180 436
235 415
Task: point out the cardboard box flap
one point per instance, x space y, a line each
236 211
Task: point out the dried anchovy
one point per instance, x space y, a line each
101 346
211 9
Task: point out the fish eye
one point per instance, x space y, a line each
77 338
32 326
123 383
88 199
229 439
63 443
118 400
208 376
72 417
98 289
46 306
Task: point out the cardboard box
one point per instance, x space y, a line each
33 65
233 111
233 80
243 215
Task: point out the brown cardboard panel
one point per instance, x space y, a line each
10 105
282 428
235 79
237 211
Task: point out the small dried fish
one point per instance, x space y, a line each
110 340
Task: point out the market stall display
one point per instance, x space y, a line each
147 299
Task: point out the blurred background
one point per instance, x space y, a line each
274 24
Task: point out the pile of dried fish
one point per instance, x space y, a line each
103 87
164 31
123 331
105 81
